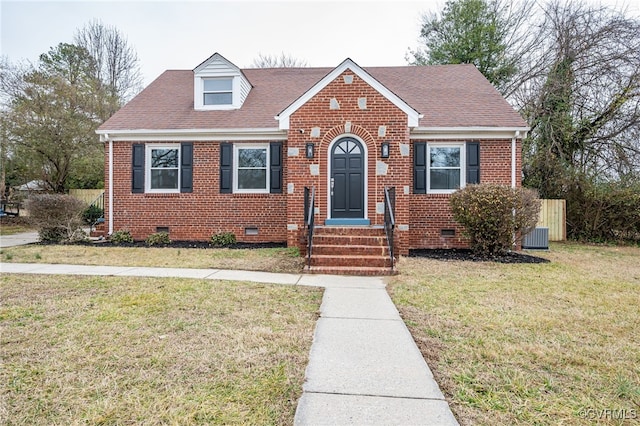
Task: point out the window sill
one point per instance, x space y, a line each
161 194
253 194
441 192
216 107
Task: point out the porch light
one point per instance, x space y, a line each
384 150
309 150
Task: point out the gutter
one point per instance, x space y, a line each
162 135
467 132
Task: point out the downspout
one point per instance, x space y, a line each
110 185
513 179
513 159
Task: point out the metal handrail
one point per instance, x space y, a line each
389 218
99 201
309 210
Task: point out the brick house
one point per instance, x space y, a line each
224 149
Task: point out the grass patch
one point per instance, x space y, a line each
262 259
551 343
115 350
6 229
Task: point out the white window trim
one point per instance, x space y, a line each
236 148
463 166
366 172
204 92
147 168
198 95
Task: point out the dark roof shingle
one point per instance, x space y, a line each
446 95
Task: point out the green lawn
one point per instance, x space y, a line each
546 344
263 259
112 350
10 229
509 344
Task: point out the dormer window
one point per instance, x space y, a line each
217 91
218 84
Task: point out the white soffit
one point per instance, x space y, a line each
145 135
468 132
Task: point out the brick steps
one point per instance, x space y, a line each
347 270
360 250
351 240
350 260
100 230
350 249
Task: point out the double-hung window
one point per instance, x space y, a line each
251 171
217 91
446 168
163 166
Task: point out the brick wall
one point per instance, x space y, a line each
431 214
349 120
198 215
279 217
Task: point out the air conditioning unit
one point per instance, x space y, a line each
538 239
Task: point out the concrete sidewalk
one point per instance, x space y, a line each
364 367
19 239
325 281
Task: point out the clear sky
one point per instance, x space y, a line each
182 34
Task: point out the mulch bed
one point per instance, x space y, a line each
184 244
468 255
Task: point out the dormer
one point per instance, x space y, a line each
219 85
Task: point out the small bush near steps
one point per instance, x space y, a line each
121 237
495 216
159 238
222 239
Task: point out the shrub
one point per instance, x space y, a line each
121 237
495 216
223 239
603 212
159 238
57 217
91 214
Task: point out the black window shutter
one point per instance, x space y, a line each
137 169
226 168
420 168
186 167
275 168
473 162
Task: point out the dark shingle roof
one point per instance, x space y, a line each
446 95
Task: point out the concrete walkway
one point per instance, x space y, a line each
364 367
18 239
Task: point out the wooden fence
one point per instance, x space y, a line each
553 216
87 196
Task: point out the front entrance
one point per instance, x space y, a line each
347 179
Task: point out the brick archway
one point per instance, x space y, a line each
371 147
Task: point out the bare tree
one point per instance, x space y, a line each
582 96
11 80
116 62
275 61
